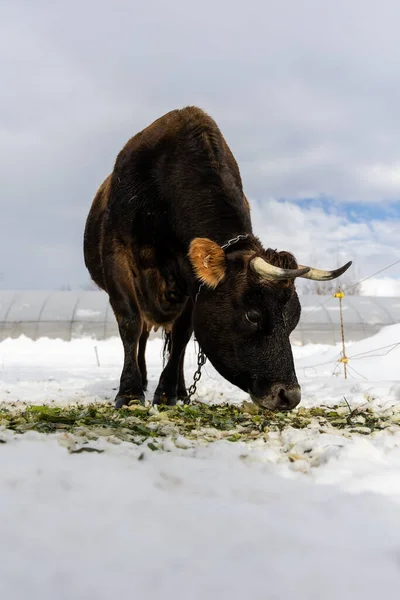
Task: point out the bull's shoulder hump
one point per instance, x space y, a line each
191 120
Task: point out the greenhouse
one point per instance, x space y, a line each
69 315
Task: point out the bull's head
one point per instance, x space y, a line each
247 308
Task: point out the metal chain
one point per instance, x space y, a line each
239 237
201 357
201 361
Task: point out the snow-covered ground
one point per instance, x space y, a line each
224 520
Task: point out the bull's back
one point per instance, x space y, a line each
93 236
174 174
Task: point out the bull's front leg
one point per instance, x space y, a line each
171 385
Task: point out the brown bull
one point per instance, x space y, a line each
166 221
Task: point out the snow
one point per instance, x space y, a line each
223 520
111 526
375 358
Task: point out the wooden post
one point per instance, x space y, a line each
340 295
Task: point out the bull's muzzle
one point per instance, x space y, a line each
279 397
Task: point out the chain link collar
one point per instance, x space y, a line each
241 236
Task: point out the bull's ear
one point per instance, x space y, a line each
208 261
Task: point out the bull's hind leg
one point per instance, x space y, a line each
172 384
142 355
121 290
182 392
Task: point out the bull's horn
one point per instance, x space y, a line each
268 271
320 275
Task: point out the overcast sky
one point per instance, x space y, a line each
306 92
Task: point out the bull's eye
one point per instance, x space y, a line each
253 316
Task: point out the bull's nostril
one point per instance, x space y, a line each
288 399
283 399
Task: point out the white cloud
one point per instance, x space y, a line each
385 178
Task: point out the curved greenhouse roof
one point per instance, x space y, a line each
68 315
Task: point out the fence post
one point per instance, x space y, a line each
340 295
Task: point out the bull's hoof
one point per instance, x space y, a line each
127 400
183 396
164 400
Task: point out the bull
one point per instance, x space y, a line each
169 237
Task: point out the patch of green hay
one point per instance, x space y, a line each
197 421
